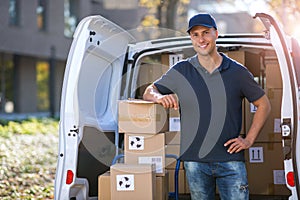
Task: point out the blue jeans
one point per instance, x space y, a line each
229 177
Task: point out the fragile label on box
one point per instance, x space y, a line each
136 142
157 160
174 124
256 155
125 182
278 176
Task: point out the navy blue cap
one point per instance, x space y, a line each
202 19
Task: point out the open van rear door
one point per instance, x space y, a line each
91 88
290 103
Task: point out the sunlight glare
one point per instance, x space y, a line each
296 33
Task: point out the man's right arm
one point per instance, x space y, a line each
152 94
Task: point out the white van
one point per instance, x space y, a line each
107 64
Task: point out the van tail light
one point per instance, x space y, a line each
70 176
290 179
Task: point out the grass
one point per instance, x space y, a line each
28 156
28 127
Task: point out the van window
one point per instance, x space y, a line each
94 86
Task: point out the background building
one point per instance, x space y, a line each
35 39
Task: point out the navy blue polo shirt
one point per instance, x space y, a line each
210 106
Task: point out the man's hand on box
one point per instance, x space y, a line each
168 101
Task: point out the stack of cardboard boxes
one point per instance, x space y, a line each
149 134
143 174
264 160
173 148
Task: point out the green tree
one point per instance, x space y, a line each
164 13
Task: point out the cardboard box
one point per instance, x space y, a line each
181 181
132 182
172 137
187 188
273 75
243 131
145 149
271 132
265 167
175 150
139 116
148 73
104 186
162 186
174 120
250 60
239 56
170 59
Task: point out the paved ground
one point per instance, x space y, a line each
252 197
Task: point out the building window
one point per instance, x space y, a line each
41 14
71 16
42 77
6 84
14 12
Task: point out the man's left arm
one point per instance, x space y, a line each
263 110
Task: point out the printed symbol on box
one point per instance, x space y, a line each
256 155
125 182
253 108
136 143
173 59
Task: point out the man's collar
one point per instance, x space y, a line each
224 65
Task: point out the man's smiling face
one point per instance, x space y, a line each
204 39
